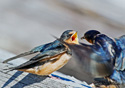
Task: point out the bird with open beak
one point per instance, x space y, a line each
103 58
51 57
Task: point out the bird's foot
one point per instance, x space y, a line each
54 76
59 77
111 81
105 83
101 81
108 86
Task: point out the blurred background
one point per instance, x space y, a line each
25 24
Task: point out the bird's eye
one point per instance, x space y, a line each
69 35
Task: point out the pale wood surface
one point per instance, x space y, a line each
18 79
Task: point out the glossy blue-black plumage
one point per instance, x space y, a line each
119 67
104 58
120 61
115 54
49 46
45 51
52 45
114 51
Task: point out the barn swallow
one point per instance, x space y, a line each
114 50
51 57
104 57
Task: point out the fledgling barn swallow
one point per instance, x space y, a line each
105 57
51 57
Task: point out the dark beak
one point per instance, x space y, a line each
83 37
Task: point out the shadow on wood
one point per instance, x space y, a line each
18 79
27 80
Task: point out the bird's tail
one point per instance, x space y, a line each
18 56
6 70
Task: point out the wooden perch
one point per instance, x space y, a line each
18 79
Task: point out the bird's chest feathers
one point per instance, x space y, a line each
50 66
55 64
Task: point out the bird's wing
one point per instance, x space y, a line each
120 61
18 56
121 41
45 47
123 63
40 59
41 48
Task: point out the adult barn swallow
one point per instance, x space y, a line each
114 51
105 57
51 57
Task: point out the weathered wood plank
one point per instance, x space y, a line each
18 79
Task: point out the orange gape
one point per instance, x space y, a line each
51 57
73 39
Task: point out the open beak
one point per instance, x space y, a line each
74 36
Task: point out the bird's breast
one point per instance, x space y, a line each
50 66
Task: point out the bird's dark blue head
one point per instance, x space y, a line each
69 36
90 35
